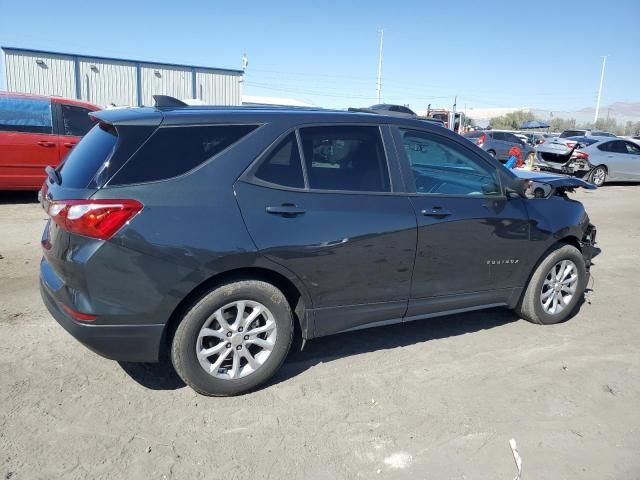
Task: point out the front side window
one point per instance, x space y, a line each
441 167
27 115
76 121
347 158
632 148
283 165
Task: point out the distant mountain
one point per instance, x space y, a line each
621 111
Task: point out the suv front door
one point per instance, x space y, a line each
472 239
323 204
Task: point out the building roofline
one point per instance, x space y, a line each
130 60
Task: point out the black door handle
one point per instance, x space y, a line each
436 212
286 210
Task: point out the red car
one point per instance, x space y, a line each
36 132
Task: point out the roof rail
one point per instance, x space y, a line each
167 101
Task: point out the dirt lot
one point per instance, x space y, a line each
435 399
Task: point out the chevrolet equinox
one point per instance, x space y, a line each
222 233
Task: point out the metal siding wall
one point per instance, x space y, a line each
173 81
218 88
56 77
114 82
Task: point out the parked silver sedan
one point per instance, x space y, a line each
599 159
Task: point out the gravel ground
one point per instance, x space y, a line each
432 399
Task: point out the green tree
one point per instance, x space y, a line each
511 121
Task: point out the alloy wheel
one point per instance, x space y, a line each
236 340
598 177
559 287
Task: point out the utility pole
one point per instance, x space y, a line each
453 116
379 82
604 63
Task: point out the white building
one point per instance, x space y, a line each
103 81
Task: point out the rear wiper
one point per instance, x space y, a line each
53 175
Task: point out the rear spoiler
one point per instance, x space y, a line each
128 116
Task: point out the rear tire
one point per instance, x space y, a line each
248 328
551 280
598 176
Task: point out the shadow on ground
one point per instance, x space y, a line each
18 197
162 376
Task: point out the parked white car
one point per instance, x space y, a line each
599 159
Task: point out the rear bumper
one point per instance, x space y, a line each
127 343
575 167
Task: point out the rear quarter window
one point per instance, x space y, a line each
172 151
88 156
27 115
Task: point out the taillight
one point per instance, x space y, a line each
93 218
580 155
83 317
481 139
541 141
570 145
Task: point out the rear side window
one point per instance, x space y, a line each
347 158
283 166
75 120
28 115
498 136
172 151
616 146
88 156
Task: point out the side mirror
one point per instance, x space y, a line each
512 193
490 188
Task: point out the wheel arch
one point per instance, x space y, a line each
566 240
295 295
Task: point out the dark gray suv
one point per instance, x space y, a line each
497 143
222 233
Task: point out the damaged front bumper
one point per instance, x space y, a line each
588 245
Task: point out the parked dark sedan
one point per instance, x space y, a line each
223 232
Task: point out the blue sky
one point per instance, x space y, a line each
541 54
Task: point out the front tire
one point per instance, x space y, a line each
555 288
598 176
233 339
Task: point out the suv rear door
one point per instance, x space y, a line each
472 240
27 141
326 203
501 145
